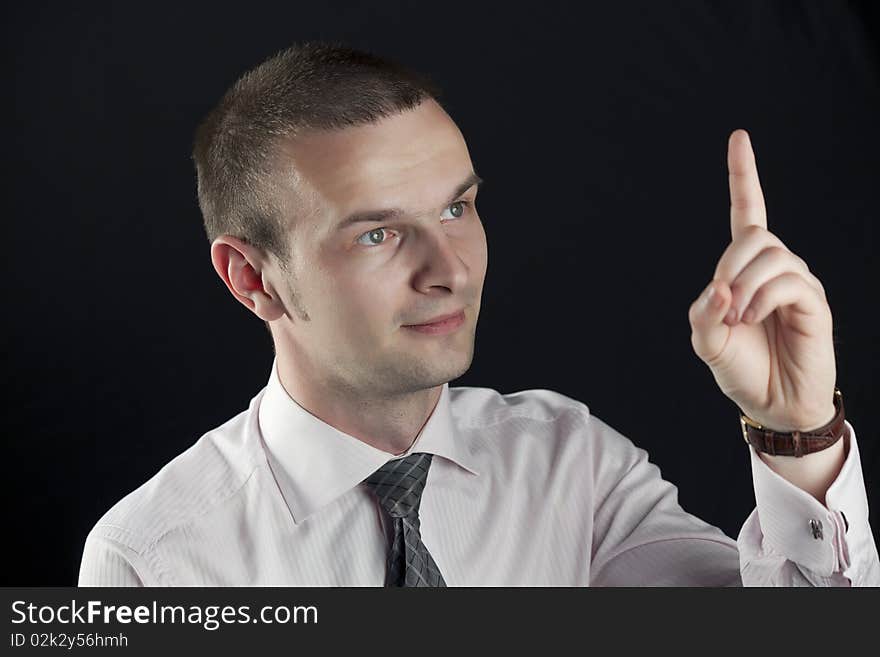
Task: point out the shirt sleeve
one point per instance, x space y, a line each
109 562
641 535
791 539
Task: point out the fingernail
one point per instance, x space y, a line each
731 316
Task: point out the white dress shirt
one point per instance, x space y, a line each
527 488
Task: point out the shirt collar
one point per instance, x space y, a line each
314 463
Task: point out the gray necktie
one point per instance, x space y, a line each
398 484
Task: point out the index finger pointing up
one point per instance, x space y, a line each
746 197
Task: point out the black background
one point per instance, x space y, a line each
601 131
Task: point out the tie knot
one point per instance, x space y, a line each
399 483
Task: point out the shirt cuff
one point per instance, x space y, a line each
797 526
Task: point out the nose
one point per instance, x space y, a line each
440 264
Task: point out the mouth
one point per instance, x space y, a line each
442 324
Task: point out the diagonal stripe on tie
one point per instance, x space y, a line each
398 486
401 497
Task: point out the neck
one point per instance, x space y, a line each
390 424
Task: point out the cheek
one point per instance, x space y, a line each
363 304
477 249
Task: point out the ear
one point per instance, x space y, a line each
240 266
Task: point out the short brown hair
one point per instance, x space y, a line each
312 85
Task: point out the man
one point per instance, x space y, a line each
339 200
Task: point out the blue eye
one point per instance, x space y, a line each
458 209
370 234
461 209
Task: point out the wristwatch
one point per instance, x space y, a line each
795 443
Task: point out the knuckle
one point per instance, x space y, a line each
778 253
774 240
758 235
817 284
696 344
795 277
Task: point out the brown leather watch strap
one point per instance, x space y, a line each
795 443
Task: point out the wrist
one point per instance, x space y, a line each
805 437
812 425
806 424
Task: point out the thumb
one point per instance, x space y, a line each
709 333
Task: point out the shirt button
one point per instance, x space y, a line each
816 528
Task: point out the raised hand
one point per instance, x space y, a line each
763 324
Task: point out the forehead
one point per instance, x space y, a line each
410 160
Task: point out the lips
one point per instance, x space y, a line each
439 319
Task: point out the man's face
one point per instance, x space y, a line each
362 283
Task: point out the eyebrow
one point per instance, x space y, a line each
377 216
